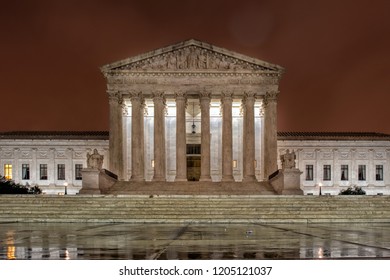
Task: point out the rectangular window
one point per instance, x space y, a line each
77 173
25 172
379 172
60 171
43 171
327 172
8 171
361 172
309 172
344 172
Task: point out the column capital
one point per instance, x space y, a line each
270 96
136 95
226 95
248 97
205 95
158 96
114 96
180 94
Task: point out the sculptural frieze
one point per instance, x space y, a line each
191 58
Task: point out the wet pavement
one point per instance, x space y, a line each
193 241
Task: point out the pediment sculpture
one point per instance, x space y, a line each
191 58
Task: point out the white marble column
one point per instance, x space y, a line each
137 137
159 137
336 172
386 169
227 140
248 156
116 135
181 146
354 168
270 131
371 168
16 166
319 172
34 166
205 137
69 167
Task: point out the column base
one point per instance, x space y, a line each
205 178
178 179
227 178
137 179
250 178
159 179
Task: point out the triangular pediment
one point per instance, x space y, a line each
191 55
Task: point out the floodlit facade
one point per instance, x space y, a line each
196 112
332 161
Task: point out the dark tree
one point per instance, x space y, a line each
10 187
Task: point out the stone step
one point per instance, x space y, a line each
193 208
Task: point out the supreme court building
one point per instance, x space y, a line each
192 111
195 112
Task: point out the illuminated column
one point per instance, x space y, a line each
16 170
137 137
181 147
227 141
116 134
205 137
270 131
159 136
248 140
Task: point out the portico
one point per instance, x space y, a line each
192 93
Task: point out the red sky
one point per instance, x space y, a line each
336 54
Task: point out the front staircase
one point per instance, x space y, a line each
191 188
194 208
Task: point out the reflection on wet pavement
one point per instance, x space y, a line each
194 241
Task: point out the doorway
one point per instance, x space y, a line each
193 162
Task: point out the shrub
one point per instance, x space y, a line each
353 191
10 187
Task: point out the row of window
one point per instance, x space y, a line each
344 175
42 171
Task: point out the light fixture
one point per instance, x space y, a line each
66 188
152 163
234 163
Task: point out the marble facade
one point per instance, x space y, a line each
33 149
337 150
220 104
352 151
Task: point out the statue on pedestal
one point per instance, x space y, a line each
95 160
288 160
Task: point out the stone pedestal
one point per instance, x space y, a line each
90 184
287 182
292 182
